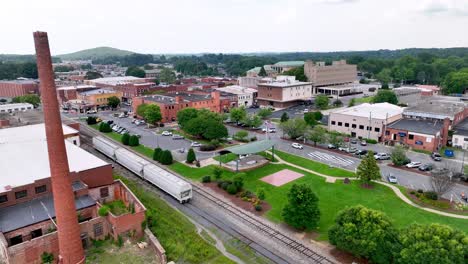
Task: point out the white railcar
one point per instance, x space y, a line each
131 161
168 182
105 146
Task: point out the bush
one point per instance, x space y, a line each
197 163
224 185
254 138
206 179
412 192
420 191
232 188
166 157
301 211
371 141
119 241
238 180
91 120
208 147
246 194
431 195
133 141
47 257
125 139
241 136
261 193
215 143
220 184
258 208
105 127
103 210
217 172
157 154
191 156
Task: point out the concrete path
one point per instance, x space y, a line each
395 189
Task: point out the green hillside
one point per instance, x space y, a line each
95 53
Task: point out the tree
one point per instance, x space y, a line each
141 110
196 127
167 75
191 157
105 127
157 154
185 115
318 134
456 82
166 157
309 118
337 103
432 243
317 115
364 233
261 193
385 96
442 180
237 114
368 170
152 114
264 113
217 172
63 68
86 66
297 72
399 156
294 128
214 130
262 72
113 101
384 76
33 99
241 135
284 117
125 139
352 102
335 139
253 121
91 75
302 210
91 120
322 101
133 141
135 72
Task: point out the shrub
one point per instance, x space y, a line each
224 185
302 210
47 257
215 143
126 139
241 136
246 194
133 141
261 193
431 195
254 138
420 191
220 184
217 172
91 120
119 241
208 147
104 210
105 128
166 157
206 178
238 180
258 208
191 156
370 141
197 163
412 192
157 154
232 188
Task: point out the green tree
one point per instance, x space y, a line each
152 114
322 101
238 114
302 210
337 103
318 115
262 72
284 117
113 101
309 118
63 68
385 96
335 139
384 76
318 134
185 115
217 172
456 82
253 121
134 141
297 72
91 75
294 128
86 66
157 154
167 75
33 99
91 120
191 157
364 233
264 113
125 139
368 170
214 130
166 157
196 127
261 193
105 127
352 102
141 110
135 72
399 156
241 135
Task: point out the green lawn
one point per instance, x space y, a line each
226 157
313 165
333 197
362 100
176 233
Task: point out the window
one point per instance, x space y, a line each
377 129
410 136
36 233
361 127
21 194
3 198
104 192
464 139
340 123
98 230
346 124
16 240
387 133
369 128
333 122
42 188
353 126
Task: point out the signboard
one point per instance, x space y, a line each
402 134
418 142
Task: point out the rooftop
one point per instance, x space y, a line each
418 126
77 87
290 63
20 81
17 105
236 89
28 145
379 110
117 80
170 99
461 128
283 82
98 91
436 108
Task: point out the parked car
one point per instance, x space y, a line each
331 146
297 146
425 167
176 137
166 133
270 130
413 164
436 156
195 144
353 141
382 156
243 156
360 152
91 112
342 148
363 143
392 178
351 150
306 110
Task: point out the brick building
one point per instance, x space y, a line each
339 72
18 88
285 91
437 108
99 97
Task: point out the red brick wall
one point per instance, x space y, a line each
8 89
4 123
429 146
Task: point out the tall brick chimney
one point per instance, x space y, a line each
70 247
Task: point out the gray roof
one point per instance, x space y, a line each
435 109
33 212
418 126
461 128
250 148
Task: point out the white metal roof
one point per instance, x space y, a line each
17 105
379 110
29 133
115 80
236 89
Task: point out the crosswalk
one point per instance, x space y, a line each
330 158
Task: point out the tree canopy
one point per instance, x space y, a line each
262 72
135 72
298 72
152 114
385 96
185 115
456 82
141 110
294 127
91 75
202 123
368 170
322 101
302 210
238 114
33 99
113 101
318 134
167 75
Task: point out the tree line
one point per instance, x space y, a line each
11 70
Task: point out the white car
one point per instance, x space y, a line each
306 110
381 156
270 130
166 133
91 112
297 146
413 164
195 144
392 179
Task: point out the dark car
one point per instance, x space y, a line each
436 156
425 167
360 152
353 141
176 137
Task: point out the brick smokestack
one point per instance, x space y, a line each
70 247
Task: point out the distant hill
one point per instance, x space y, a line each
95 53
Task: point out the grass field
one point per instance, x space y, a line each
313 165
226 157
362 100
176 233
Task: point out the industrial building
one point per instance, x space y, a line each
18 88
245 96
338 73
11 108
438 108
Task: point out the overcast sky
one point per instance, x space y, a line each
192 26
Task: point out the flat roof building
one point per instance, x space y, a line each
339 72
245 96
283 92
18 88
11 108
438 108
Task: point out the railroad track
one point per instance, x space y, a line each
259 225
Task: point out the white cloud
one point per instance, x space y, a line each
445 7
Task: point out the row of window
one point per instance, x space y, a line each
368 128
15 109
23 193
